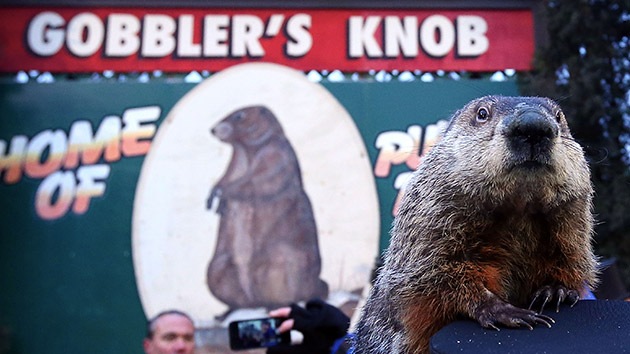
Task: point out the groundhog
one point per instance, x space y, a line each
495 224
267 252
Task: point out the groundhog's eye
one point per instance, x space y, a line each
482 115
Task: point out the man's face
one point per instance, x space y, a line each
174 334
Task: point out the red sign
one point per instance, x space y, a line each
186 39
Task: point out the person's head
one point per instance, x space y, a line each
170 332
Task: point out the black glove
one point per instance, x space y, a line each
321 325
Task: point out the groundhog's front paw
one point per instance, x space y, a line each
495 312
216 193
558 293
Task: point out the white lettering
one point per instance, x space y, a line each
12 162
122 36
361 36
185 34
274 25
157 36
215 35
246 31
45 34
54 143
222 36
60 184
85 34
396 147
401 36
471 36
160 35
90 185
437 35
138 129
88 148
300 41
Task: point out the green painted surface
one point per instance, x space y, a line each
67 285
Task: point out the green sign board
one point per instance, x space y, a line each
104 187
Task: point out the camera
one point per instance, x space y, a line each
257 333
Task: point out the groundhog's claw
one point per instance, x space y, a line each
546 320
496 312
491 325
561 293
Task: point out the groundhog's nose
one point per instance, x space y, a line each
531 126
530 137
222 130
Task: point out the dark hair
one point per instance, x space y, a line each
151 322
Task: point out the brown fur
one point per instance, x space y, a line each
497 215
267 251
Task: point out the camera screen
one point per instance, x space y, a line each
258 333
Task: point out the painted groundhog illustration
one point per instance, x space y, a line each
267 252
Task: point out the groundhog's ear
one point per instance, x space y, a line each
451 122
264 110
